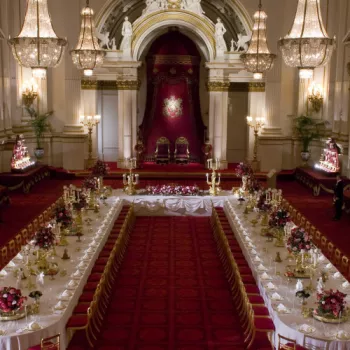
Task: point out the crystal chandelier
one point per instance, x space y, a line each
37 46
307 45
87 54
258 58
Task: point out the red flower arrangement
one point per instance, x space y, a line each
100 169
81 202
261 204
279 218
331 304
11 299
299 240
172 190
44 238
63 215
90 183
243 169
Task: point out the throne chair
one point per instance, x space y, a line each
181 153
162 154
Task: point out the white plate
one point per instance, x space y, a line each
307 331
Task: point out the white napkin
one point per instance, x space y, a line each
59 306
257 259
93 243
77 274
90 251
247 239
276 296
321 258
65 295
329 266
337 275
265 276
281 308
346 284
82 265
11 264
72 284
306 328
271 286
33 326
3 273
261 267
19 256
85 257
253 251
343 335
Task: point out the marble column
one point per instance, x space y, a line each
127 118
218 111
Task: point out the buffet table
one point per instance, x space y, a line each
173 205
60 295
278 291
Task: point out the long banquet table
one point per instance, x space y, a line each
254 245
16 335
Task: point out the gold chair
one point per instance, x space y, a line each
344 268
322 343
286 343
51 343
162 154
181 153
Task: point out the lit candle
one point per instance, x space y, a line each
207 177
137 178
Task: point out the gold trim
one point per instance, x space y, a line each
175 59
98 85
256 87
218 86
201 23
128 84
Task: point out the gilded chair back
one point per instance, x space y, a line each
51 343
286 343
322 344
181 153
162 153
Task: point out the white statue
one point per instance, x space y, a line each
242 42
320 286
193 6
114 45
127 32
104 38
220 30
233 43
163 4
151 6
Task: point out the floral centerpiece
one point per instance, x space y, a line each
279 218
172 190
243 169
90 183
330 307
100 169
63 215
298 240
11 303
44 238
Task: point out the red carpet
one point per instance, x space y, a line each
319 211
171 292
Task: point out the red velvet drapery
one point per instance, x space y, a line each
173 107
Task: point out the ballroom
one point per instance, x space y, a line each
174 174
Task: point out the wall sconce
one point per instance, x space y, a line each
256 124
29 92
315 96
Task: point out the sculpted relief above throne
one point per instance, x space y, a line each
161 5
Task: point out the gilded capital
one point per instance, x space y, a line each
256 87
98 85
128 84
218 85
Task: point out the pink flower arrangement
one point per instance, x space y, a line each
45 238
90 183
331 304
63 215
279 218
100 169
243 169
11 299
262 205
173 190
299 240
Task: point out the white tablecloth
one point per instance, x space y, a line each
54 322
286 324
174 205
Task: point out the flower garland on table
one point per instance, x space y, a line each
63 215
11 299
331 304
90 183
45 238
100 169
279 218
298 240
172 190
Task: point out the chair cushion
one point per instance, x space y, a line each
102 261
36 347
98 268
260 310
90 286
249 279
252 289
264 324
77 321
95 277
256 299
81 308
86 297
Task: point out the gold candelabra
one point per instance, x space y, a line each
90 121
29 92
213 179
256 124
315 96
130 180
